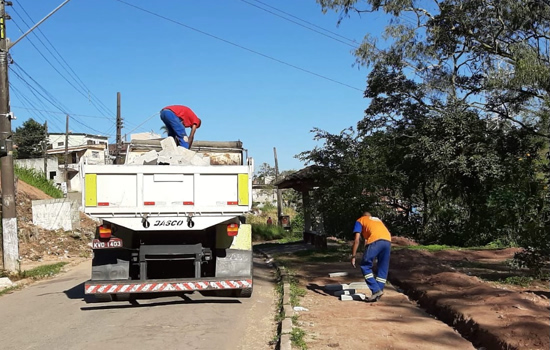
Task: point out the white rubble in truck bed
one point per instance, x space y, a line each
171 155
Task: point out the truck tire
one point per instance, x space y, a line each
103 298
243 293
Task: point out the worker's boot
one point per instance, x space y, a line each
375 297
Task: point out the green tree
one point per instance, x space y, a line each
454 144
30 139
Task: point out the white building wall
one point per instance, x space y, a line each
58 141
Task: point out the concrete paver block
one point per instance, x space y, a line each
358 297
337 274
335 287
286 326
344 292
358 285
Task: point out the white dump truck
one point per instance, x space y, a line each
169 226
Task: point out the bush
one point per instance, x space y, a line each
264 232
37 179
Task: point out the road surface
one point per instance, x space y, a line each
53 315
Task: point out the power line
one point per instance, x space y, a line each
239 46
73 114
22 98
76 77
302 25
145 121
51 99
52 65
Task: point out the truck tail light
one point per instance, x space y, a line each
232 230
105 231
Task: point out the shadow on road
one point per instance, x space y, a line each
136 303
76 292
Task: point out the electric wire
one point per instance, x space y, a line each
239 46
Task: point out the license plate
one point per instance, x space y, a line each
112 243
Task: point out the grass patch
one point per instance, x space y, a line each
37 179
35 273
264 232
522 281
296 292
297 337
9 289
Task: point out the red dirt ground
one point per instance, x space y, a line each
490 315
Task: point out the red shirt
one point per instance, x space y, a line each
188 117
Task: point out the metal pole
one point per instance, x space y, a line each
45 154
279 192
10 241
118 159
37 24
66 171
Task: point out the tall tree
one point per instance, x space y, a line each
30 139
453 144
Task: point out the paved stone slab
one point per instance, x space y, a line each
358 285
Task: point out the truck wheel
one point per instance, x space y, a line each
243 293
103 298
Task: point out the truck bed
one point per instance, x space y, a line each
165 195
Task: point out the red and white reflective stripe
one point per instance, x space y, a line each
165 286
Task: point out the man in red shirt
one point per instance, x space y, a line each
177 118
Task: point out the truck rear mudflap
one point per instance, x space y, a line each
163 286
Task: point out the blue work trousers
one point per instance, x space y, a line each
376 250
174 127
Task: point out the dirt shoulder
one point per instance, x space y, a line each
494 315
487 313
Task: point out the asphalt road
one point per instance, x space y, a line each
52 314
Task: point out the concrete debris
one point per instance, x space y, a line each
5 283
337 274
300 308
171 155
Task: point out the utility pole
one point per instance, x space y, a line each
10 242
45 154
279 192
66 168
118 159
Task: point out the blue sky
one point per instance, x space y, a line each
153 63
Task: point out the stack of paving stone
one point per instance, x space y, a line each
171 155
347 292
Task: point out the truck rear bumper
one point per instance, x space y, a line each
159 286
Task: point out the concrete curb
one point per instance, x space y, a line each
285 326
